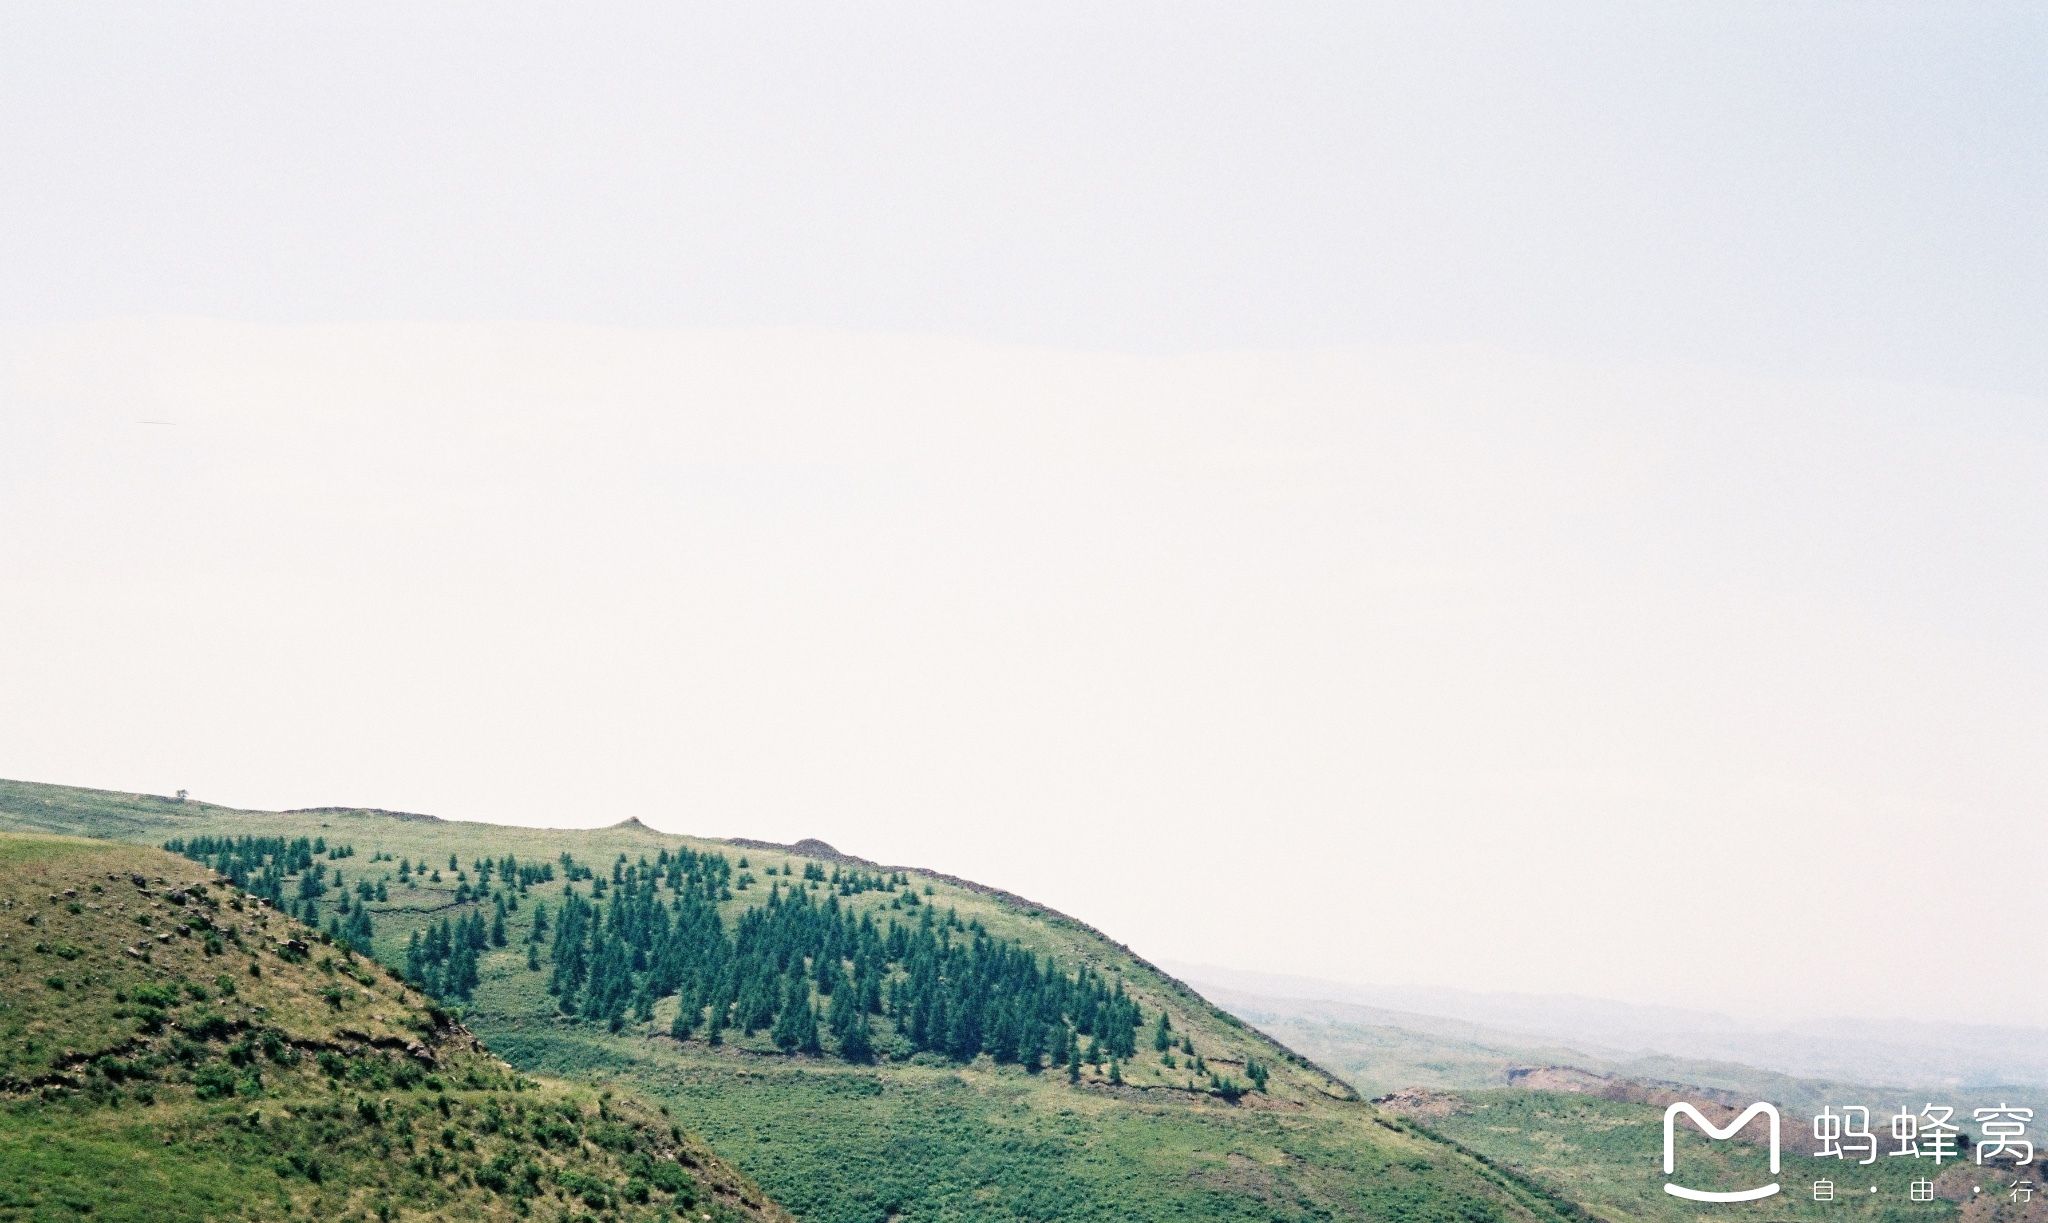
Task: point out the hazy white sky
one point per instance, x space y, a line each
1851 189
1352 492
1396 664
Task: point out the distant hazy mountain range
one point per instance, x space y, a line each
1458 1033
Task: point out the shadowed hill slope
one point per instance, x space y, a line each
171 1049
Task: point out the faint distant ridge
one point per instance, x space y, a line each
414 816
1658 1042
1576 1080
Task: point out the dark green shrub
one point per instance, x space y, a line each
214 1082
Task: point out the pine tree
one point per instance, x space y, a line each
787 1032
857 1044
807 1031
1031 1045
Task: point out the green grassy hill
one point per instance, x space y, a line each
928 1049
171 1049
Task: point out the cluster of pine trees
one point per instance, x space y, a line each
352 927
443 963
261 866
257 865
815 976
849 881
806 969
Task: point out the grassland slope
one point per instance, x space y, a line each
172 1049
1215 1122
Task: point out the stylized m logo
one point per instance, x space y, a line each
1671 1116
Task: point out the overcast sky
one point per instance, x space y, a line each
1407 497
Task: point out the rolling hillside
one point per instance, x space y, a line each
868 1043
1591 1127
1592 1143
173 1049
